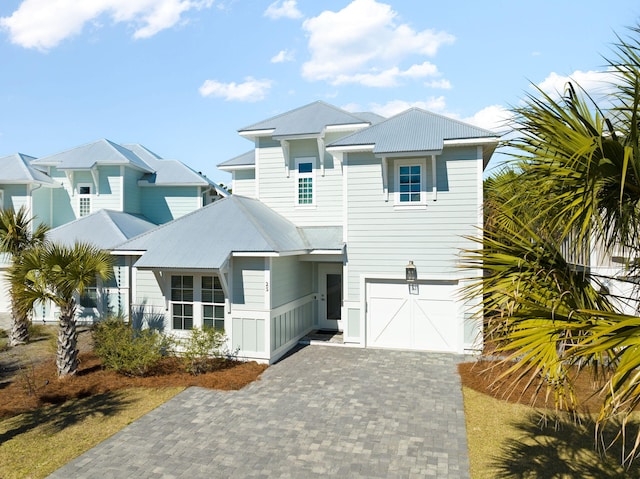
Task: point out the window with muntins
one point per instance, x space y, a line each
306 180
84 200
182 302
410 183
212 303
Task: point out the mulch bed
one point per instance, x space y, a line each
38 385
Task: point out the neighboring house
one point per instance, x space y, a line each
103 193
331 210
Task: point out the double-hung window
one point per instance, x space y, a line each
410 183
212 303
305 176
197 301
182 302
84 200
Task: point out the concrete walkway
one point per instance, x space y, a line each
321 412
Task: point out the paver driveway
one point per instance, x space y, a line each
323 411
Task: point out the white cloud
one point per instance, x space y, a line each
599 84
441 84
393 107
251 90
283 9
43 24
362 43
283 56
494 117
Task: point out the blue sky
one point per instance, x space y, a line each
182 76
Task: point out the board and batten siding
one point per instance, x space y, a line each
290 280
162 204
280 193
244 183
383 238
249 282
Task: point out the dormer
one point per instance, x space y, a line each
315 121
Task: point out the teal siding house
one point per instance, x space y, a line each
338 221
104 193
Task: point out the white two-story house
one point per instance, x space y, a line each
338 221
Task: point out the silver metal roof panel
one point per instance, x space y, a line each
103 152
245 159
310 119
17 168
104 228
205 238
414 130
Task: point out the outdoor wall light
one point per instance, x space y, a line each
411 272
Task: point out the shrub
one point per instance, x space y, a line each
204 349
129 351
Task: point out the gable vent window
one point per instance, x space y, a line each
306 181
84 200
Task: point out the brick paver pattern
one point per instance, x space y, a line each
321 412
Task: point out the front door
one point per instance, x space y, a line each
330 300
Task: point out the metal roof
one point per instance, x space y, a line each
205 238
245 159
414 130
310 119
101 152
17 169
104 228
324 237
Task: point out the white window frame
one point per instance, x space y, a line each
197 302
82 196
299 176
1 199
422 163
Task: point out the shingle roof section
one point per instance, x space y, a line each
310 119
104 228
102 152
245 159
413 130
17 169
205 238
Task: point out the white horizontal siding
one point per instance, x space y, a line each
382 239
290 280
244 183
249 282
280 193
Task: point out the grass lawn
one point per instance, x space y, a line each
509 440
36 443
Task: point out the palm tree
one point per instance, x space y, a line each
60 274
16 236
578 177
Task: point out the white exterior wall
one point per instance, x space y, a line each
382 239
291 279
249 282
244 183
280 193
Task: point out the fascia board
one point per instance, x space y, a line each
254 133
472 141
348 148
237 167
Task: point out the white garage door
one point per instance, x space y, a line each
425 318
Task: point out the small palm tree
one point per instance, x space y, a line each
60 274
16 236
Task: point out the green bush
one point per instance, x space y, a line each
129 351
203 350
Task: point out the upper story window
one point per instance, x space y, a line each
305 173
84 200
410 182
